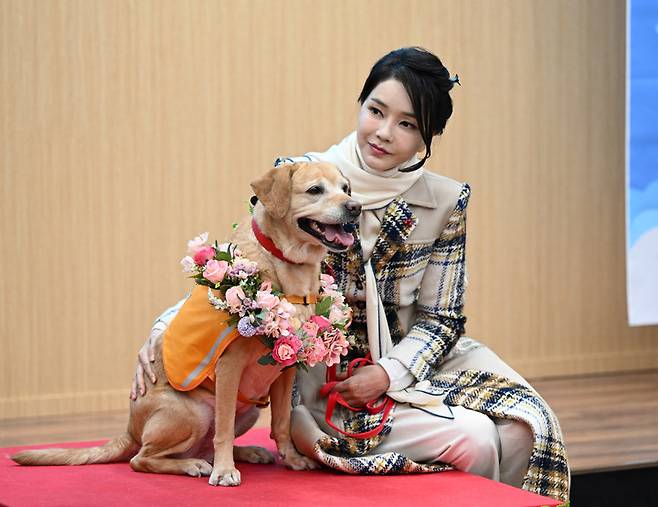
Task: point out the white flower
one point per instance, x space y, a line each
193 245
188 264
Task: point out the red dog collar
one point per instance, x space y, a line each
268 244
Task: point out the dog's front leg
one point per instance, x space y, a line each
280 396
228 372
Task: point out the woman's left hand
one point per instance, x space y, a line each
367 383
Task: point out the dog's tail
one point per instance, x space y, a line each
118 449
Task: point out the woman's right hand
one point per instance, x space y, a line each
145 357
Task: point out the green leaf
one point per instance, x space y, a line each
234 226
323 306
224 286
266 360
223 256
267 341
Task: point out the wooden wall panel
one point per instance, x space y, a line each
127 127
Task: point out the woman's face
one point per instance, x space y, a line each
387 131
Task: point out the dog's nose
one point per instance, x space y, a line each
353 207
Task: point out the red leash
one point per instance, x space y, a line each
334 397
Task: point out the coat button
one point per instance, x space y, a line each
359 284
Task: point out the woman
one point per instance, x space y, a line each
457 402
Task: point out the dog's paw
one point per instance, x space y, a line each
252 454
296 461
197 467
224 477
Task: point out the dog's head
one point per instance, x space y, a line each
313 198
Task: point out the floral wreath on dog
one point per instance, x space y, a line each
258 309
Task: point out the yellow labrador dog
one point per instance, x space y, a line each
304 209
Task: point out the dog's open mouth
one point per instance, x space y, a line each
333 236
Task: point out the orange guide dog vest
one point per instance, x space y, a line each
194 341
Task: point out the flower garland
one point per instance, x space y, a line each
258 309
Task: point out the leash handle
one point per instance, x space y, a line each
334 397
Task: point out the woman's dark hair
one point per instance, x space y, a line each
427 83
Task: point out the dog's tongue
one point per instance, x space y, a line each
336 234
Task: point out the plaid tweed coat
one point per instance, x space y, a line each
419 264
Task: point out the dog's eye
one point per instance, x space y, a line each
315 190
346 189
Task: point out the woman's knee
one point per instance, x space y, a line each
475 446
479 435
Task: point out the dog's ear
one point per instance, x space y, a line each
274 188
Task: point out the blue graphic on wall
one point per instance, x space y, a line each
642 162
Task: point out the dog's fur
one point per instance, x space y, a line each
184 432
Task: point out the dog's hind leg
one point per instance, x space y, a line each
171 433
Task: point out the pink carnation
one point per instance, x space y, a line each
270 324
284 326
326 280
336 315
310 328
203 255
314 351
285 350
285 308
322 322
215 270
234 297
336 345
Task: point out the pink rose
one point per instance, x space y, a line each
322 322
266 286
310 328
285 350
265 299
314 351
215 270
195 244
234 297
203 255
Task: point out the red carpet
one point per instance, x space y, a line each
118 485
